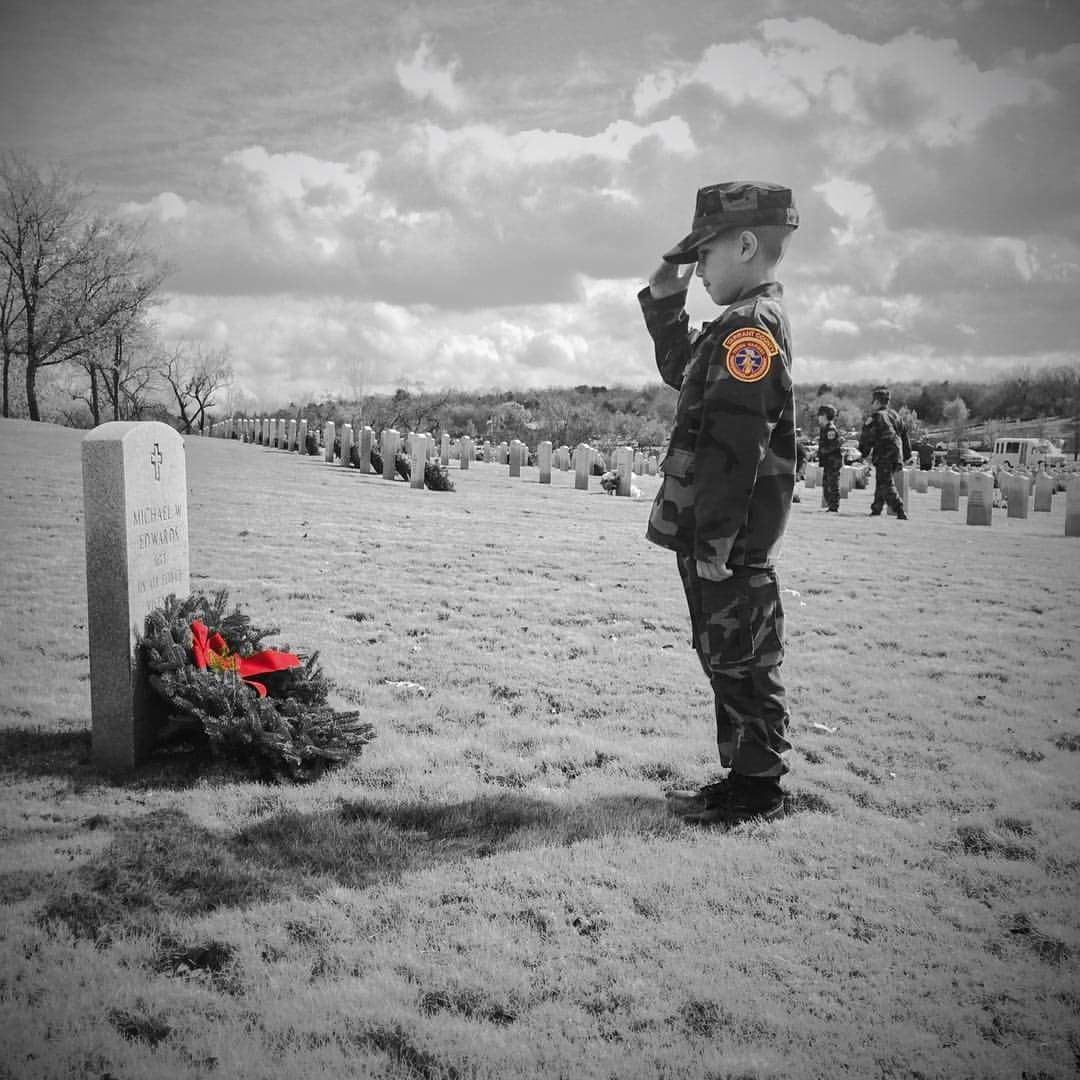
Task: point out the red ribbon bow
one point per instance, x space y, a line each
211 651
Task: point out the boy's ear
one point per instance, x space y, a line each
748 245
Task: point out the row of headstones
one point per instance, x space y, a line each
1018 490
353 449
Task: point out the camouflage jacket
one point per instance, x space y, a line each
729 471
884 437
829 447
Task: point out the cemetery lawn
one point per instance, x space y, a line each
495 888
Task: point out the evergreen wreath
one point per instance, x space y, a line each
258 708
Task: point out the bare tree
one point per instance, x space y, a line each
120 374
75 275
195 374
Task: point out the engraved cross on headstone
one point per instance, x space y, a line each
155 460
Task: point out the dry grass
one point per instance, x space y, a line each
495 889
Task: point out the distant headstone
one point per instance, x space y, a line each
329 435
465 451
136 523
950 490
1044 493
390 440
444 449
543 459
1019 496
1072 507
345 437
980 499
514 457
810 477
418 450
583 456
624 467
291 436
364 443
920 481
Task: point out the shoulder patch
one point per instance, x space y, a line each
748 353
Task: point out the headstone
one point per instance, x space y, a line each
810 477
1044 493
465 451
950 490
346 445
920 481
543 456
444 449
329 435
980 499
651 466
136 522
1072 507
418 450
364 449
1019 496
624 467
964 483
301 436
389 443
582 466
291 436
514 456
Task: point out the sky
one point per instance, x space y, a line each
360 195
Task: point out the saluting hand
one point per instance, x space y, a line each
670 278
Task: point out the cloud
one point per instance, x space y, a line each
287 346
910 89
422 78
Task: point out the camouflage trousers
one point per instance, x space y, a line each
885 487
738 628
830 483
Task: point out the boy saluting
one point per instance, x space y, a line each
728 479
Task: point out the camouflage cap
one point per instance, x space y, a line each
730 205
882 393
828 411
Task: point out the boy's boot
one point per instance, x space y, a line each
733 800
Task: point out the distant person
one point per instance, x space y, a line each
830 456
884 438
728 479
802 456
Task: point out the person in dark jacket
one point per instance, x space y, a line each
884 439
830 456
728 479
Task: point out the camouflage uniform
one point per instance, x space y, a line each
725 496
884 437
831 458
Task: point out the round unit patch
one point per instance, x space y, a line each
748 353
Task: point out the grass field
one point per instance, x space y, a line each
495 889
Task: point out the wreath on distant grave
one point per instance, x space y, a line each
259 708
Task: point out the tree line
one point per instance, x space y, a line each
610 416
